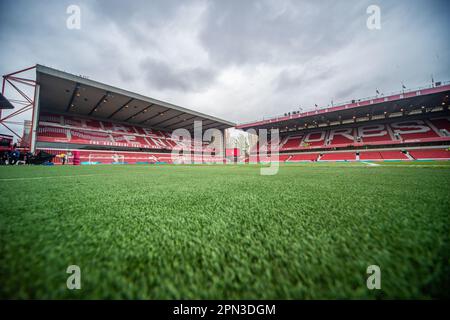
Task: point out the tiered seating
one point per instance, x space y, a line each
73 130
283 157
341 137
374 134
370 155
430 154
413 130
393 155
386 133
419 136
304 157
53 134
341 156
89 137
314 139
441 123
292 142
164 158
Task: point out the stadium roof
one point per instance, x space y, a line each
4 103
430 96
67 93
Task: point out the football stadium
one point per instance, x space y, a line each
359 184
146 199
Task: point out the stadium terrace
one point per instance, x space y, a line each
411 125
104 124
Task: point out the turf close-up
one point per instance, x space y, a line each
225 232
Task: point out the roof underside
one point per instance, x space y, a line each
61 92
429 98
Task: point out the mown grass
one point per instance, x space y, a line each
224 232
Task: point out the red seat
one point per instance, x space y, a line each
393 155
441 123
370 155
304 157
68 129
430 154
341 156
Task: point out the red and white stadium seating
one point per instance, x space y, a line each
339 156
441 124
304 157
370 155
377 133
88 132
432 154
73 130
393 155
382 155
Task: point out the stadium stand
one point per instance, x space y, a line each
341 156
341 137
442 124
284 157
396 127
104 124
304 157
291 142
398 132
371 156
430 154
393 155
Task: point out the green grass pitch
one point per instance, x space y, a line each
225 232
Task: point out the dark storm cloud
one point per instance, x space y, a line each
161 76
287 79
278 31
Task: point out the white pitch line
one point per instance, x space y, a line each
370 163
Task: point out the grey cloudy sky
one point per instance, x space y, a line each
239 60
